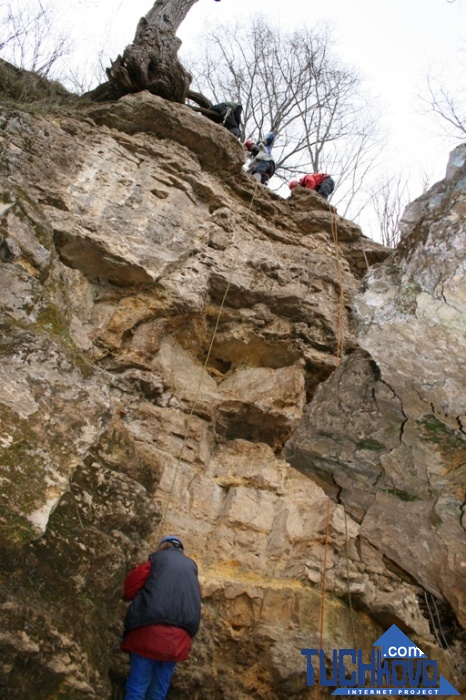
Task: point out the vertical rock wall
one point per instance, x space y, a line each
395 408
164 323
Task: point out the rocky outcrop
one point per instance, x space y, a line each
386 432
165 321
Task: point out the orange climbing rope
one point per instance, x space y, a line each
324 577
340 331
350 602
339 354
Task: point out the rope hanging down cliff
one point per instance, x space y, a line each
204 368
339 356
340 350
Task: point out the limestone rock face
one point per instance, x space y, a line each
164 322
423 316
386 432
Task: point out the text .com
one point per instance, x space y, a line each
404 652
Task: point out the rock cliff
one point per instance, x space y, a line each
184 351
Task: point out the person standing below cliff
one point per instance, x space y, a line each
320 182
262 166
162 619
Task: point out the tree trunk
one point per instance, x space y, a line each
151 61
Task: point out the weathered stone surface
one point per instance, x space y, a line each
163 323
220 152
385 432
423 316
262 403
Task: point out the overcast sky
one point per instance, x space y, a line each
392 44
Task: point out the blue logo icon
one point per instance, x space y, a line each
396 667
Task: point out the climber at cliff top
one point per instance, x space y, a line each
320 182
230 114
162 619
262 166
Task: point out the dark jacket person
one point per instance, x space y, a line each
230 114
163 618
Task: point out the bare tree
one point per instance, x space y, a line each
292 84
151 61
450 108
28 37
81 78
389 198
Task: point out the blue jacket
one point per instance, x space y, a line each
170 595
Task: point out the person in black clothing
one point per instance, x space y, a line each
230 114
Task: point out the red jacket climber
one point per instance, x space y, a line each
320 182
